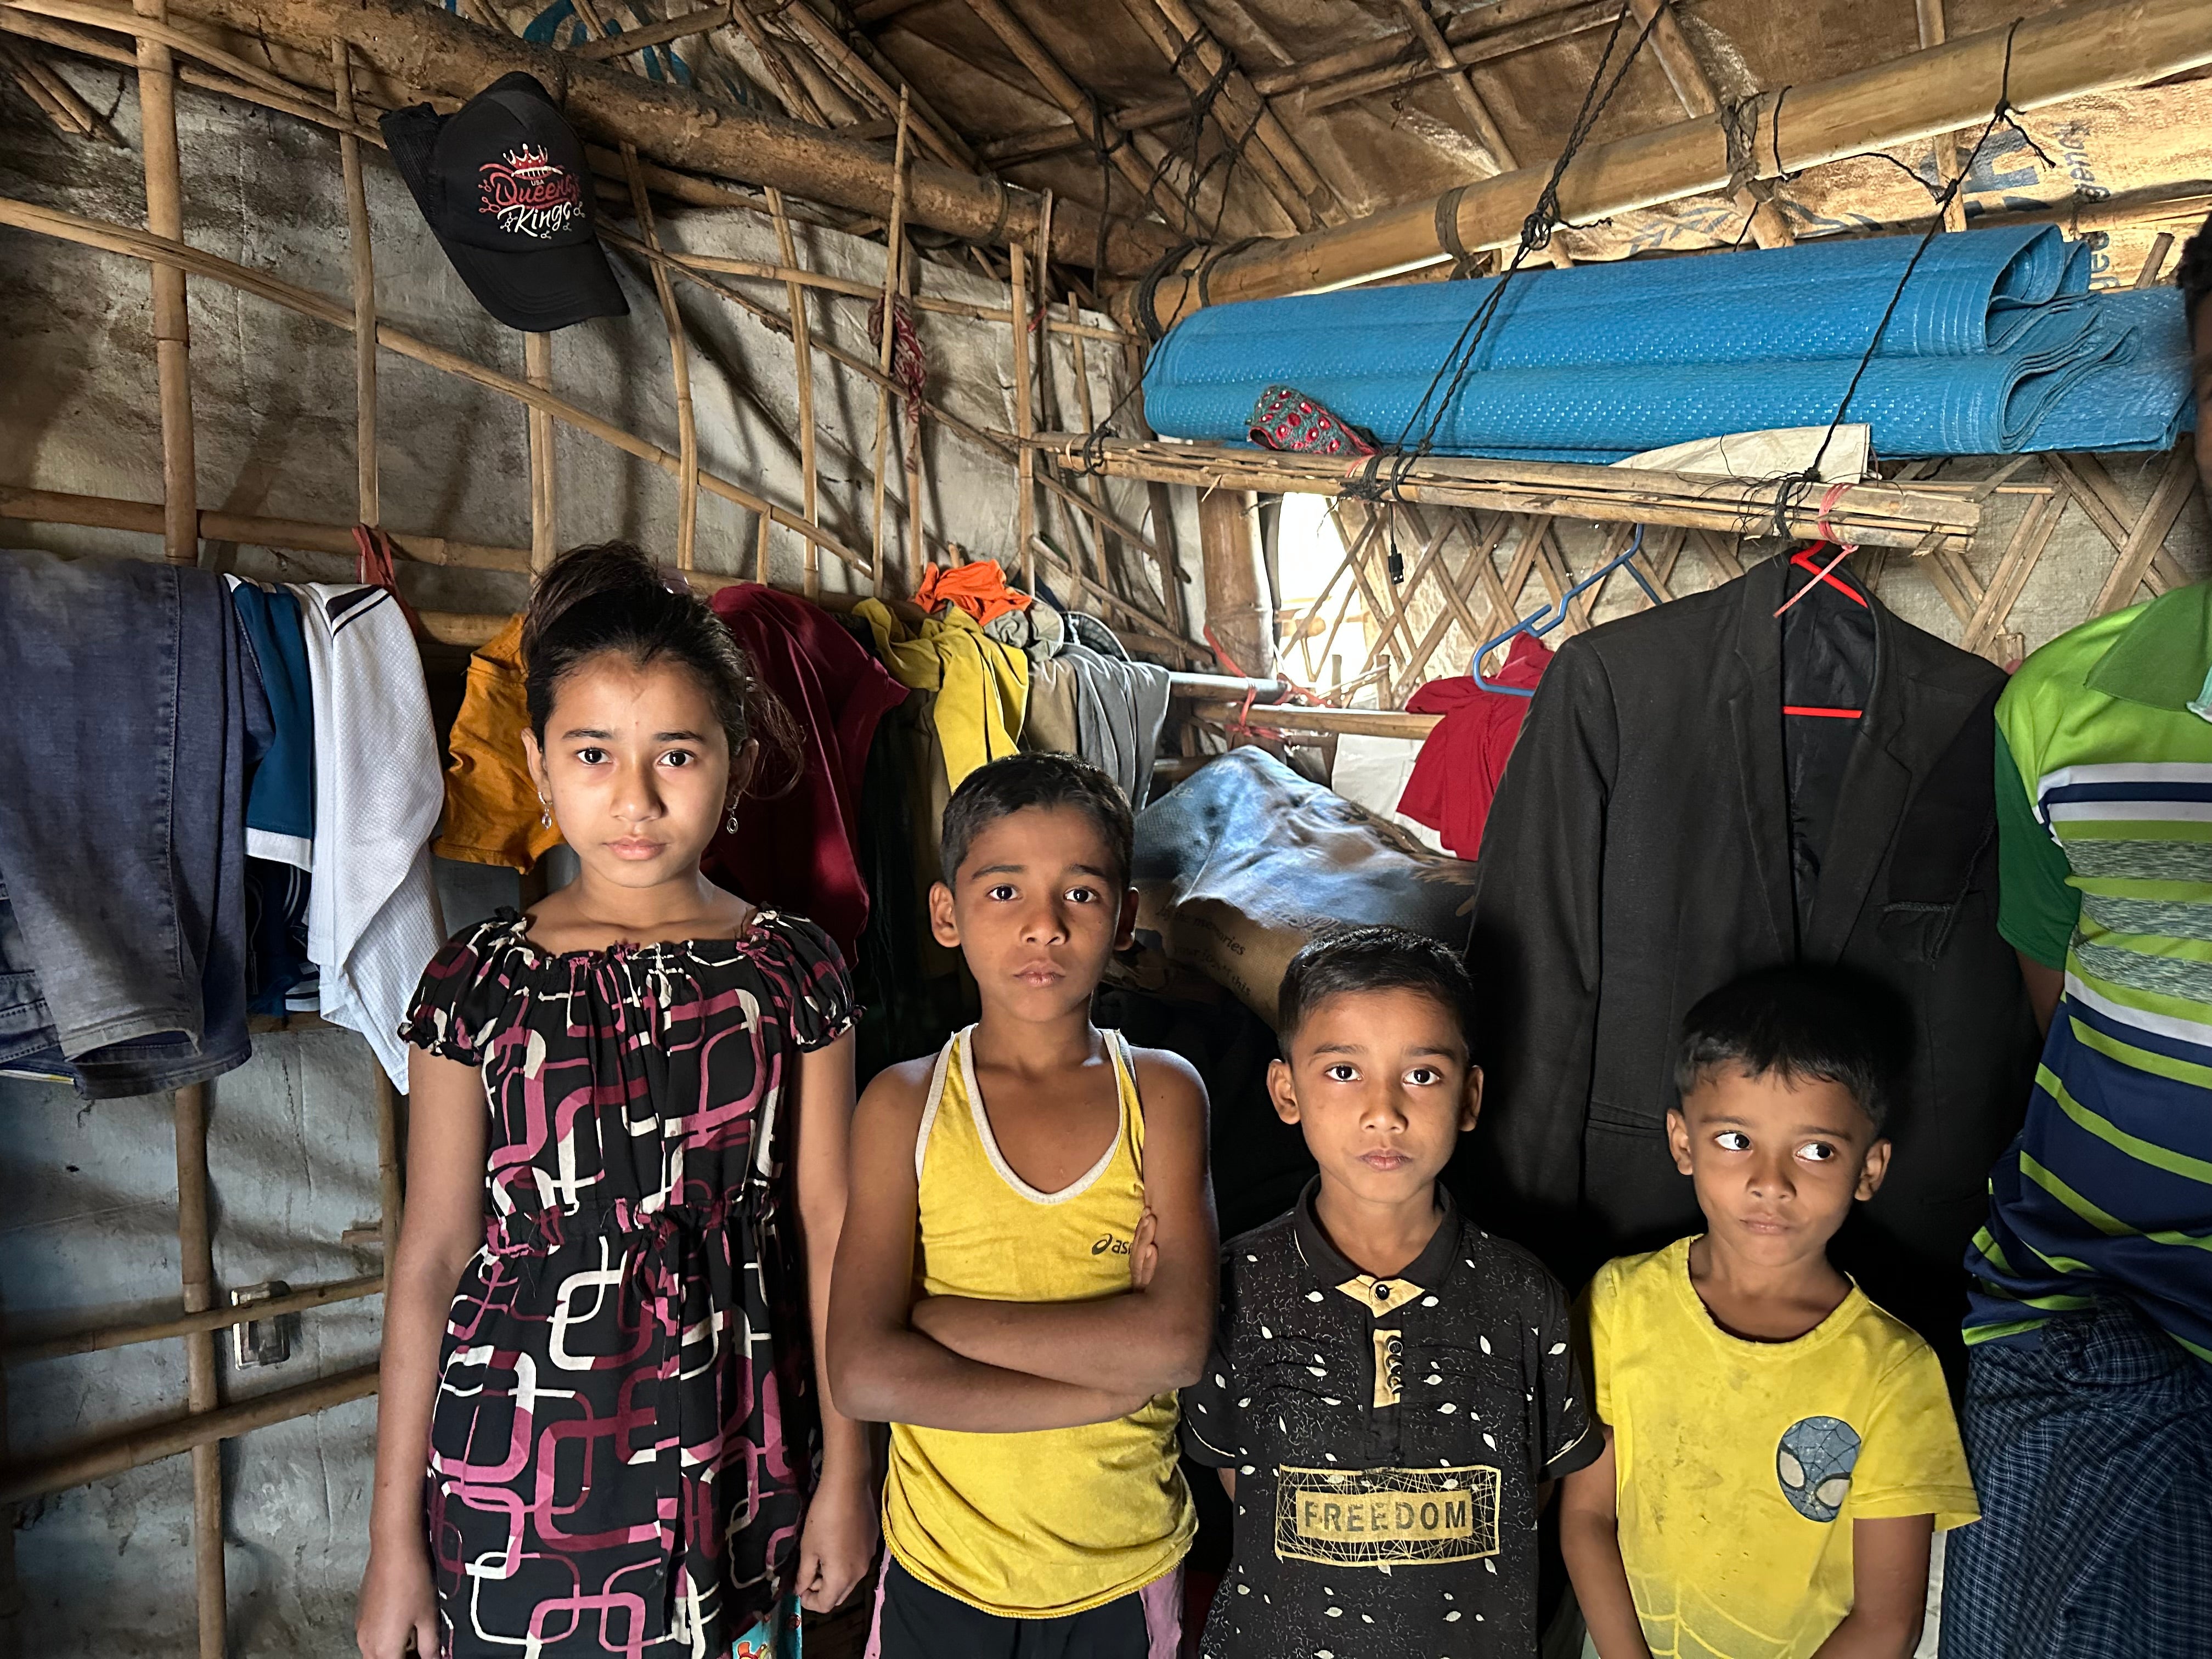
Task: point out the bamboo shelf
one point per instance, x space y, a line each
1872 514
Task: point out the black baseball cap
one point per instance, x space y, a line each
506 191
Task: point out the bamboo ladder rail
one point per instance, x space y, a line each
894 247
157 107
117 239
369 509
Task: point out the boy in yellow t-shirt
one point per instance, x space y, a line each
1779 1450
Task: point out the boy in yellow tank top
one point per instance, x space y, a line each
1027 1271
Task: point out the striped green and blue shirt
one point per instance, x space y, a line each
2104 825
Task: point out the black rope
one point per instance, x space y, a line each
1536 232
1791 486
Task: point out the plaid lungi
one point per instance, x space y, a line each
2092 1452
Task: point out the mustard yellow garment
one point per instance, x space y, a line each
983 686
1740 1466
493 815
1045 1524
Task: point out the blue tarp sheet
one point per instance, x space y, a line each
1995 346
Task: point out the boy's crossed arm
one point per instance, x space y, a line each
1154 1338
989 1367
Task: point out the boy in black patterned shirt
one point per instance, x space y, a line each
1391 1389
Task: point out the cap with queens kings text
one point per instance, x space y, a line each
505 187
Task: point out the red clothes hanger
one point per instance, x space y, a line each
1802 559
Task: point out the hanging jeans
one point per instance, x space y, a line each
123 823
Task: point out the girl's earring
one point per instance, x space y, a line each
730 820
545 812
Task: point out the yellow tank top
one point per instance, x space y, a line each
1045 1524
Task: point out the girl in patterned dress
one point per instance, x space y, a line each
626 1165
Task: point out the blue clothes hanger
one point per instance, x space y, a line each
1552 616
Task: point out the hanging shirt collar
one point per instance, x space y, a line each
2163 658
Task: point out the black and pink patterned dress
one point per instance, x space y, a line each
626 1418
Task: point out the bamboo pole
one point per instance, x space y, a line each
196 1257
1000 445
105 513
1877 513
214 1319
363 264
544 502
55 96
893 249
199 1434
2066 53
118 238
2171 494
1237 611
1025 462
849 288
1928 15
1695 91
803 365
1247 125
157 110
390 1188
1383 63
1106 138
157 116
911 446
428 48
933 131
679 358
704 21
1344 722
797 101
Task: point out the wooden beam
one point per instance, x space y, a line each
2071 51
427 48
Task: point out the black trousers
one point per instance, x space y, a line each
917 1622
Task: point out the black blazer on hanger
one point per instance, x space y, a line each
1638 856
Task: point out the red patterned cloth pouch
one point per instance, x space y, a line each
1285 418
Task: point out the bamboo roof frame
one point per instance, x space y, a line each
1934 521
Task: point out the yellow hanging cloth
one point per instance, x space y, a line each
983 686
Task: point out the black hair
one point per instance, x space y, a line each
2193 276
611 597
1800 1024
1014 783
1375 957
